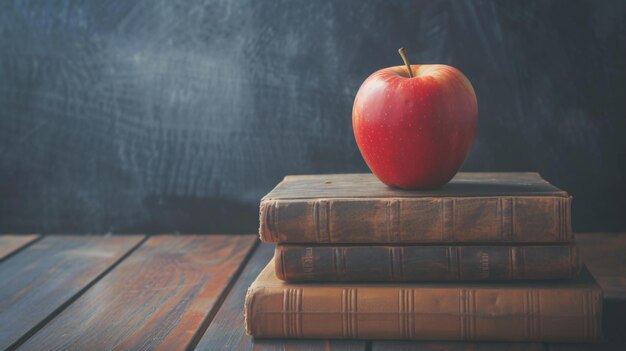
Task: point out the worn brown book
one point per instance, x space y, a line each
563 311
425 262
473 207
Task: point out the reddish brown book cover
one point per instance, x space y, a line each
473 207
563 311
425 262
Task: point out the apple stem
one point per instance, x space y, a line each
406 61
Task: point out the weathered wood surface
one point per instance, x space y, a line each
158 298
173 292
11 243
227 330
455 346
41 279
605 255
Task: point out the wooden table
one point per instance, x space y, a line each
186 292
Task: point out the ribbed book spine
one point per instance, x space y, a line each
425 263
425 313
506 219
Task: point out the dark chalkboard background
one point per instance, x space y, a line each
172 115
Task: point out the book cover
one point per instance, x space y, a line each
473 207
563 311
425 262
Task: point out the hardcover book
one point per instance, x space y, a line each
425 262
563 311
473 207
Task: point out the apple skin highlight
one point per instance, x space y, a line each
415 133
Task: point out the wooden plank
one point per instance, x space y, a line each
456 346
605 256
227 329
158 298
40 280
10 243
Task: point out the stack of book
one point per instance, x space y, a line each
488 257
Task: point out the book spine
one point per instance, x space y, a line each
537 314
425 263
530 219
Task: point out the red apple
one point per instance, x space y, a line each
415 129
